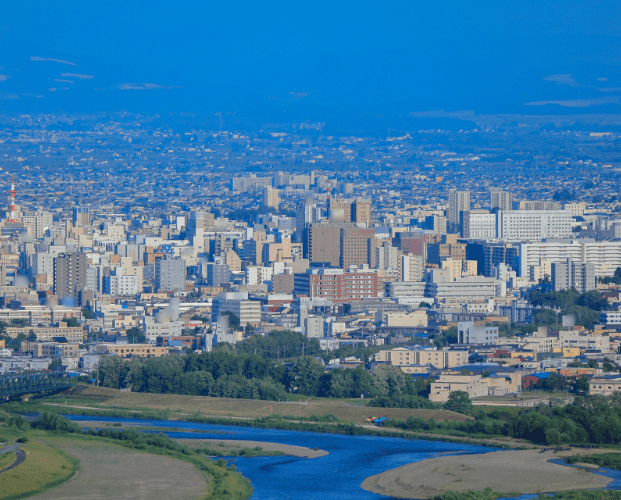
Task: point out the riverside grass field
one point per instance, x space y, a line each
99 402
347 410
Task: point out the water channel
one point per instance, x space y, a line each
337 475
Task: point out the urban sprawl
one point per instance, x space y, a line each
487 260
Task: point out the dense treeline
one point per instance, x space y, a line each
585 307
278 344
587 420
219 373
222 373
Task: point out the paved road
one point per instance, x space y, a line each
21 456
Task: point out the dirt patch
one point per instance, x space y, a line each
294 451
522 471
108 471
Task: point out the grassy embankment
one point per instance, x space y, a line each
45 467
312 414
7 459
49 462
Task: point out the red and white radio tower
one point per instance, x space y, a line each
12 203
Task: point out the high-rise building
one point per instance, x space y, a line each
69 274
479 225
38 222
339 210
337 285
218 274
533 225
355 246
199 219
501 200
435 223
270 197
459 201
81 216
386 257
324 244
412 267
571 274
306 213
539 205
361 212
169 274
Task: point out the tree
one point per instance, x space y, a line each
135 336
234 321
459 401
72 322
307 375
582 384
56 364
32 336
87 313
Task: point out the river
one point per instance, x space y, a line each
335 476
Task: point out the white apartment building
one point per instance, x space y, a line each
466 289
479 226
412 267
257 275
120 285
520 225
605 255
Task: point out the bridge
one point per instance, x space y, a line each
32 382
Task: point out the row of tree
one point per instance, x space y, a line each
587 420
229 374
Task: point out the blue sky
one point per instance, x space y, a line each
179 56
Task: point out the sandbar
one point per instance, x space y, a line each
513 471
287 449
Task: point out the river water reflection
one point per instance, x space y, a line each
338 475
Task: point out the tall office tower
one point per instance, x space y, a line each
306 213
199 219
218 274
81 216
270 197
69 274
339 210
435 223
570 274
459 201
38 222
361 212
324 244
502 200
169 274
386 257
355 246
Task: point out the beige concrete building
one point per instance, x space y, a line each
74 335
403 357
604 386
137 350
475 385
414 319
270 197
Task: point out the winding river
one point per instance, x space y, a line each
337 475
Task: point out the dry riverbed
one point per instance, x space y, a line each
521 471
